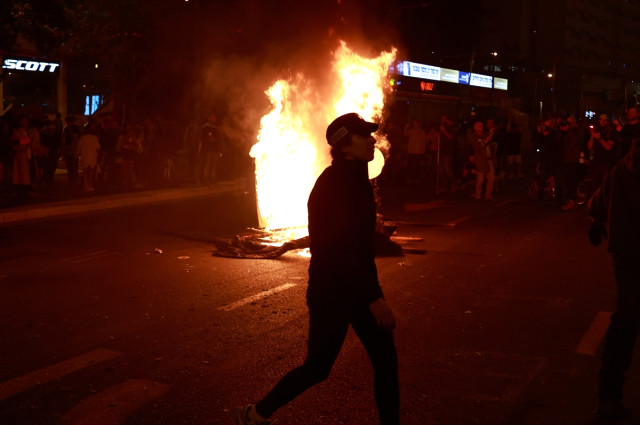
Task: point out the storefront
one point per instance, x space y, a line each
426 92
32 86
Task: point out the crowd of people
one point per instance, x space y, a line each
100 153
444 156
477 154
448 157
572 151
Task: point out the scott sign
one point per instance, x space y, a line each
26 65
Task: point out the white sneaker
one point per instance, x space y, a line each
243 416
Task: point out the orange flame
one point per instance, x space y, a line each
292 151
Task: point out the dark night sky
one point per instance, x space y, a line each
447 28
245 45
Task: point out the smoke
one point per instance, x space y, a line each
254 43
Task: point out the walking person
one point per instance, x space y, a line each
617 202
343 283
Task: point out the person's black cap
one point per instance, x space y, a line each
347 125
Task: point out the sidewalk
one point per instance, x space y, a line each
59 200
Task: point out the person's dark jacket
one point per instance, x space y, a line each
342 217
618 202
600 154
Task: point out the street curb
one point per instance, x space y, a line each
107 202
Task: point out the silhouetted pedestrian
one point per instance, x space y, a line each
343 283
617 202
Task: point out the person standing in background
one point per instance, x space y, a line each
21 143
416 150
88 147
482 143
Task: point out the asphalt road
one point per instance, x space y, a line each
125 317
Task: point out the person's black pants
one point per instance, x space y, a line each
328 328
623 329
549 169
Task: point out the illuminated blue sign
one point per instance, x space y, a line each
428 72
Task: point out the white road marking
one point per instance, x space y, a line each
592 339
56 371
113 405
405 239
454 223
256 297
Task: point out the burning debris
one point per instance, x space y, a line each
256 245
291 151
260 244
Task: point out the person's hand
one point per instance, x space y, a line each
596 232
383 314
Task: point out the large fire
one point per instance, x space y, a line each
292 151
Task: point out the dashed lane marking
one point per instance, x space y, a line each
592 339
454 223
256 297
113 405
56 371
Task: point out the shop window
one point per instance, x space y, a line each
92 103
